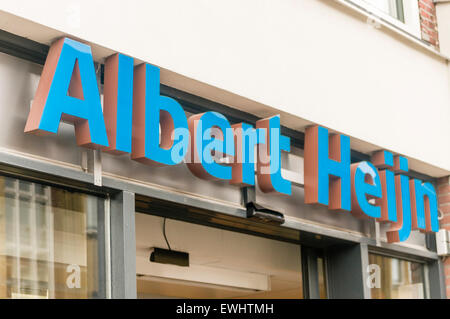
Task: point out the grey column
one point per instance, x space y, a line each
310 273
123 246
347 271
436 279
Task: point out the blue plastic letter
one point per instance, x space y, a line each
269 168
203 145
70 70
424 206
327 161
157 121
361 189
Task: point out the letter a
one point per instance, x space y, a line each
68 90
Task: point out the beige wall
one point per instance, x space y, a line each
313 61
443 18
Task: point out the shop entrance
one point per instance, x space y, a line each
229 257
222 263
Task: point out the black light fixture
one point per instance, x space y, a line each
169 256
264 214
259 212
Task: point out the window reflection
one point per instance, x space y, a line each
49 242
399 279
322 278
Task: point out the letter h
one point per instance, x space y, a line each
327 169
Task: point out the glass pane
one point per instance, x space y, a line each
392 7
223 264
397 278
47 247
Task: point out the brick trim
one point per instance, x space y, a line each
443 189
428 22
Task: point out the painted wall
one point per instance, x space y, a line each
310 60
443 17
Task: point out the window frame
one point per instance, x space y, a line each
411 15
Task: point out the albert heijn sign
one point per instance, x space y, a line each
154 129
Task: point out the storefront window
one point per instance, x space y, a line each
50 242
222 263
396 278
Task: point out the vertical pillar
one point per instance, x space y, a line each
443 185
123 246
310 273
4 276
347 271
437 282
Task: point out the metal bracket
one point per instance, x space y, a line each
91 162
97 168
